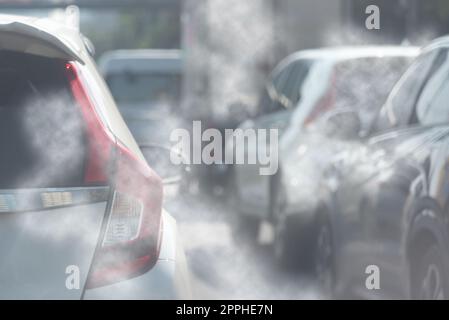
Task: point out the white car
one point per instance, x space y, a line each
303 90
81 212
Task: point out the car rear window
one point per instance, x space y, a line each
144 88
41 129
364 84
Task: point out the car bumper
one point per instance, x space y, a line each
168 279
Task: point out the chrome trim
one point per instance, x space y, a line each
22 200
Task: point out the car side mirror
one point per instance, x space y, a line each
344 125
160 159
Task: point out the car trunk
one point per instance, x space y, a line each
50 217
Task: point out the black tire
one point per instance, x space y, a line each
244 227
291 236
429 276
324 260
284 251
286 246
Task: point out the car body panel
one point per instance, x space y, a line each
168 279
371 221
38 247
38 36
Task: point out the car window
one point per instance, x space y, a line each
294 86
42 132
359 84
265 102
399 109
269 101
363 84
281 79
281 86
432 107
285 89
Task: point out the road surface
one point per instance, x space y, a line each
221 267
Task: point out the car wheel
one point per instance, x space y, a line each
286 243
291 236
431 282
281 245
243 226
285 246
324 261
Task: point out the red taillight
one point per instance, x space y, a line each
130 237
130 243
100 140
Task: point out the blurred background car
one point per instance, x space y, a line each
385 198
306 87
146 85
76 192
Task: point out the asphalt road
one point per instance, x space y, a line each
223 268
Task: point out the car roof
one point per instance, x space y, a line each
141 61
41 36
350 52
144 53
357 52
437 43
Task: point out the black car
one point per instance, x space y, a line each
383 227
